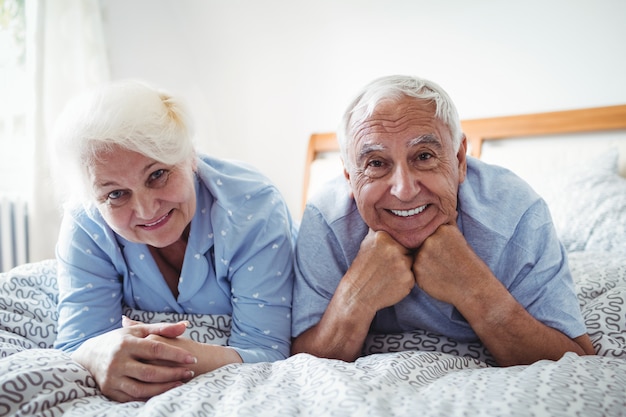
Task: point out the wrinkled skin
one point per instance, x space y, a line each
404 175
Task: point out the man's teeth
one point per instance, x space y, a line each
407 213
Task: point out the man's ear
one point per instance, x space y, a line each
346 174
461 156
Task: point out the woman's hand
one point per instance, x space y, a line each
130 365
210 357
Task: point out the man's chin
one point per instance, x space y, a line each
409 241
413 239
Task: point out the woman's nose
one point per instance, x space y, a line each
145 205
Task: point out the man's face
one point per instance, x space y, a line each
405 173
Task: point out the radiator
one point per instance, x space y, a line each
13 233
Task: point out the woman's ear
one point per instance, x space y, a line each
194 162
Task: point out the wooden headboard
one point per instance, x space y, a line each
497 128
568 121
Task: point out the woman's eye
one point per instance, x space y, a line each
115 195
158 177
157 174
116 198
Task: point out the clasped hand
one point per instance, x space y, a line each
445 267
133 363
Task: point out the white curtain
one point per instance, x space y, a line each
66 53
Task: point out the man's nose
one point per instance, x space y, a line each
405 184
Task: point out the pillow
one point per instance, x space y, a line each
588 205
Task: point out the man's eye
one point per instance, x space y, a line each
376 168
375 164
424 156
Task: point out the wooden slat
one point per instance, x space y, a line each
318 143
566 121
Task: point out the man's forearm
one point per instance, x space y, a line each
514 336
341 332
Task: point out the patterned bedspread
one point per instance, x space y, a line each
405 374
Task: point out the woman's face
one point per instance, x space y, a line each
143 200
406 172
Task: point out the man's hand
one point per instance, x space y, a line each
446 267
380 276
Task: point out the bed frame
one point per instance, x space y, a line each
478 131
568 121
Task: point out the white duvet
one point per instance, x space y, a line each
413 374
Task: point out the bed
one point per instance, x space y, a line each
415 373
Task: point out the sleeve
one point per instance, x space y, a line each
90 290
321 262
542 282
260 240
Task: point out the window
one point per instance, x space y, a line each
15 147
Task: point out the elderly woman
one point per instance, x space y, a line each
152 225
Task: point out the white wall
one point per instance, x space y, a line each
261 76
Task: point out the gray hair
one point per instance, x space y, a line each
395 87
128 114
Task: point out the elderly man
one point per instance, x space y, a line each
420 236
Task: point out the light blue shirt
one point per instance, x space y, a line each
505 222
238 261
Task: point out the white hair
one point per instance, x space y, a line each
396 87
127 114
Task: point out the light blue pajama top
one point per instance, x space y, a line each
238 261
505 222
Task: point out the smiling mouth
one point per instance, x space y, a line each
157 221
408 213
